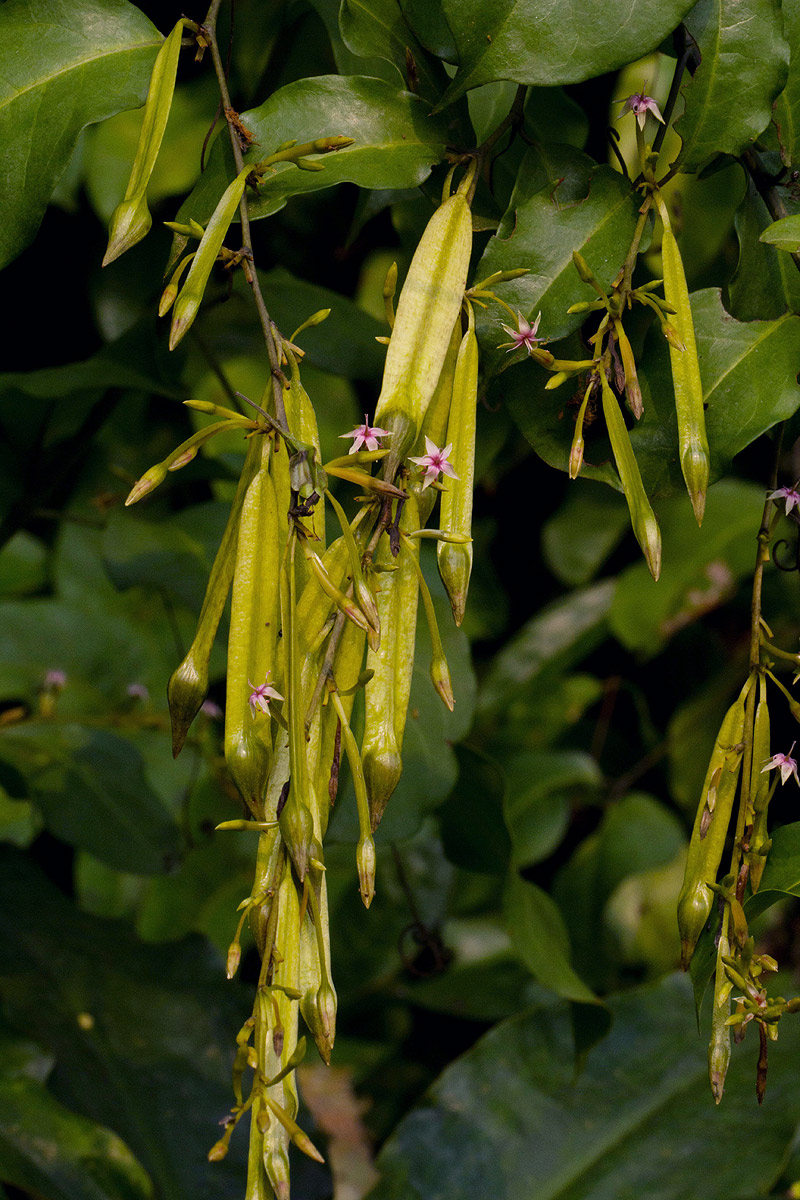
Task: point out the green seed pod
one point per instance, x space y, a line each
322 736
429 304
711 827
131 220
434 425
253 634
361 590
455 560
296 819
643 519
191 294
760 789
632 388
576 449
318 1001
719 1047
302 422
365 853
692 440
380 753
408 602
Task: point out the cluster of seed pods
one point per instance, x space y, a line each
311 626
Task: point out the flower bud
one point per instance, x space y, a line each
365 861
186 692
218 1151
297 830
440 677
233 959
148 482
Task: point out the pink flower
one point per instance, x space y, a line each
789 494
261 696
212 710
137 691
434 462
785 764
55 680
365 435
640 104
523 335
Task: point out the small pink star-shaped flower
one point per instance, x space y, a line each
365 435
434 462
789 494
785 764
523 335
640 104
261 696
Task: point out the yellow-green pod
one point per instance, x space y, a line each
188 684
719 1046
632 387
131 219
302 422
318 1000
711 828
281 1013
434 425
686 381
454 559
643 519
407 585
760 790
253 634
380 753
346 669
296 817
427 309
188 302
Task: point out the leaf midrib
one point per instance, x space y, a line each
44 80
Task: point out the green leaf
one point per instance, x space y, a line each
744 63
23 566
49 1151
637 1121
701 566
397 142
784 234
559 635
471 820
540 938
562 201
150 1056
766 283
541 791
92 792
536 43
786 115
62 67
637 834
379 29
781 876
581 534
749 372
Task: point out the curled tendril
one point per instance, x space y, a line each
792 562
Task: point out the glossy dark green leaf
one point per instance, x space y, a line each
90 787
562 201
471 820
542 787
48 1151
379 28
62 67
637 1121
786 114
536 43
637 834
150 1056
397 142
749 374
766 283
781 876
347 62
562 633
701 567
580 535
744 63
23 566
540 938
783 234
